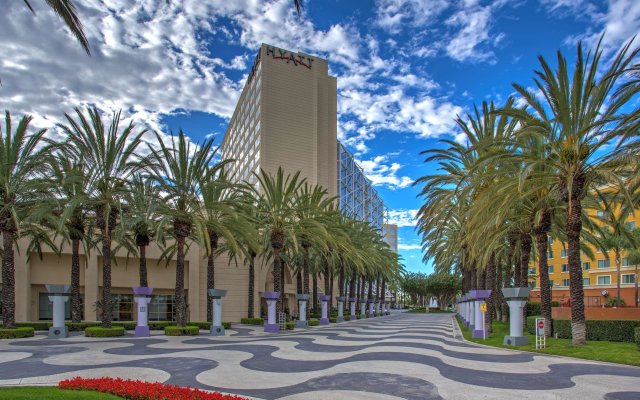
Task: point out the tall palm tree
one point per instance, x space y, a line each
74 223
276 212
108 155
142 219
66 10
21 195
178 171
579 114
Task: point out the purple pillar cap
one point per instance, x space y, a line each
142 291
353 299
271 295
325 298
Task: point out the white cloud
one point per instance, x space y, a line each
474 24
409 247
392 15
403 217
382 172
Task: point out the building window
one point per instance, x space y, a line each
625 262
585 282
565 282
604 280
563 253
550 268
565 267
629 278
550 242
586 265
631 225
161 308
604 263
532 271
122 307
550 253
532 284
550 282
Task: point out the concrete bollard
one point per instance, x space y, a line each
340 301
353 301
58 295
217 329
325 304
516 299
272 300
303 299
142 297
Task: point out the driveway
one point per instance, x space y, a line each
402 356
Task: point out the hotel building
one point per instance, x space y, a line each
599 276
286 116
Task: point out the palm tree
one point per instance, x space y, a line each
277 215
580 113
178 171
66 10
74 222
223 219
21 195
109 159
142 219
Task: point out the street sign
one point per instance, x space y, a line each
541 340
483 307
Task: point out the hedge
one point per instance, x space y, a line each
252 321
98 331
290 326
637 337
16 333
314 322
601 330
207 324
191 330
37 326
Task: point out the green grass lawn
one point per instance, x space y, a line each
615 352
51 393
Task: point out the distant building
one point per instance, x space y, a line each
390 234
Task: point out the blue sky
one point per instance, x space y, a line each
405 68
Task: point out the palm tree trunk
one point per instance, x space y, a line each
213 242
618 262
330 294
499 299
491 285
636 280
361 299
180 301
327 281
277 276
545 290
525 256
8 281
574 228
76 304
305 276
299 282
352 285
315 293
341 282
251 285
106 279
143 266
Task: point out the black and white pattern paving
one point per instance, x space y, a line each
402 356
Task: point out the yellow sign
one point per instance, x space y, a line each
483 307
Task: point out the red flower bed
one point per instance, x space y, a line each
139 390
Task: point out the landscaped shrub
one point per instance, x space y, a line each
16 333
81 326
159 325
191 330
636 337
252 321
613 302
139 390
38 325
127 325
98 331
533 308
290 326
603 330
333 320
314 322
347 317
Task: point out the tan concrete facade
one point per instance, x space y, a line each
286 117
32 273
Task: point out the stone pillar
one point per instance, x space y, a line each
371 302
272 299
217 329
340 301
325 304
377 308
472 315
142 298
363 306
58 295
479 297
353 301
303 299
516 299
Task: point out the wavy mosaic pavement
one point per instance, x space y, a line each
402 356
